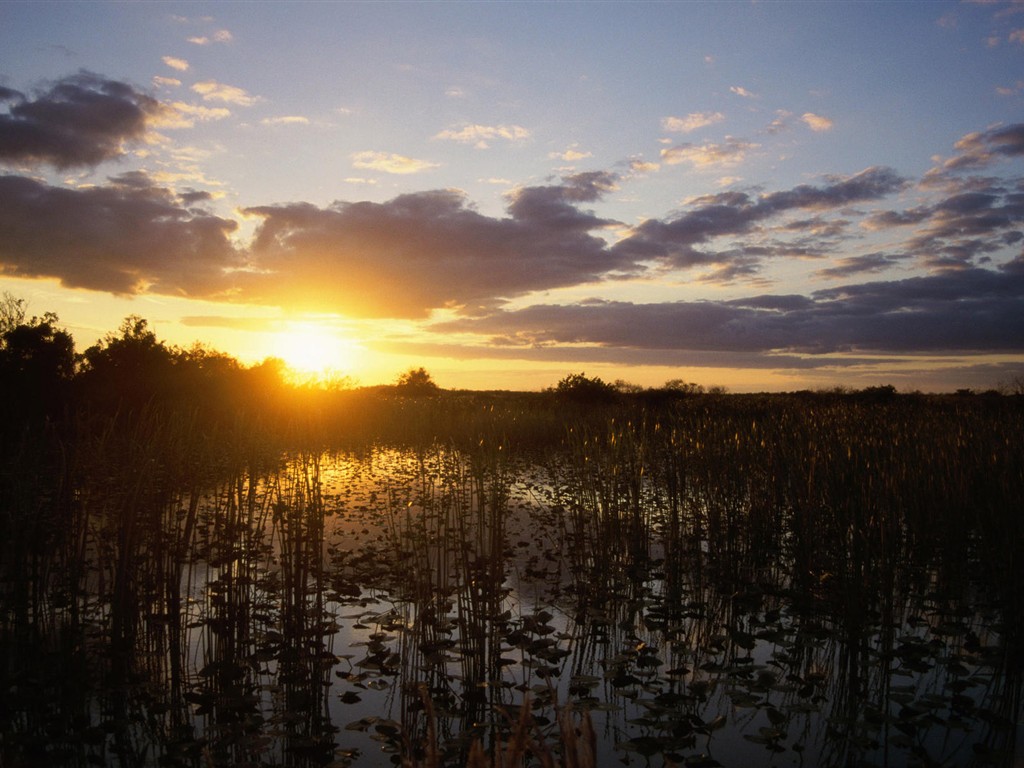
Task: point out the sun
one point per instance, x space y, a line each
309 348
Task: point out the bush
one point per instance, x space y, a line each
583 389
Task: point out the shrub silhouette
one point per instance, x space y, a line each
37 363
580 388
128 370
417 383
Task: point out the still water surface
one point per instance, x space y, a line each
441 598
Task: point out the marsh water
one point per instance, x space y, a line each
647 594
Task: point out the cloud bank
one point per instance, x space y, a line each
433 250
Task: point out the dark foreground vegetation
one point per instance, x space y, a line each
201 565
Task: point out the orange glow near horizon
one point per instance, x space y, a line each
311 349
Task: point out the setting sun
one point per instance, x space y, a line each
310 348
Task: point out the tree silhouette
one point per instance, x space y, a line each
416 382
12 311
584 389
128 370
37 362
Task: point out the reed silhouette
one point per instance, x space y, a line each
203 565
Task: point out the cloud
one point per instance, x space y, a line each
730 214
125 237
816 122
388 162
780 123
966 228
425 250
977 311
728 153
643 166
856 265
174 63
211 90
981 149
80 121
1011 90
166 82
741 91
179 114
570 155
430 250
481 135
220 36
285 120
691 122
969 226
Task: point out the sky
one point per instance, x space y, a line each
764 196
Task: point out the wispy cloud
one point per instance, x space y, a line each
817 122
686 240
389 162
638 165
570 155
980 149
850 266
166 82
1011 90
730 152
481 135
741 91
175 63
691 122
211 90
220 36
285 120
183 115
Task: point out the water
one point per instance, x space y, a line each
352 609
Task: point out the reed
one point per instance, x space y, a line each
676 579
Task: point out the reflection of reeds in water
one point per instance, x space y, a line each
734 580
826 514
448 545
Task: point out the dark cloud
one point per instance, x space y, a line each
426 250
977 151
961 230
81 120
984 147
124 238
970 311
855 265
617 356
400 258
737 213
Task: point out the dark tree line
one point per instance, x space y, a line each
42 379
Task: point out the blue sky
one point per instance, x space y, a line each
763 195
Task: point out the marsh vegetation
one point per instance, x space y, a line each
202 566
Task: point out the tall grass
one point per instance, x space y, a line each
783 556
